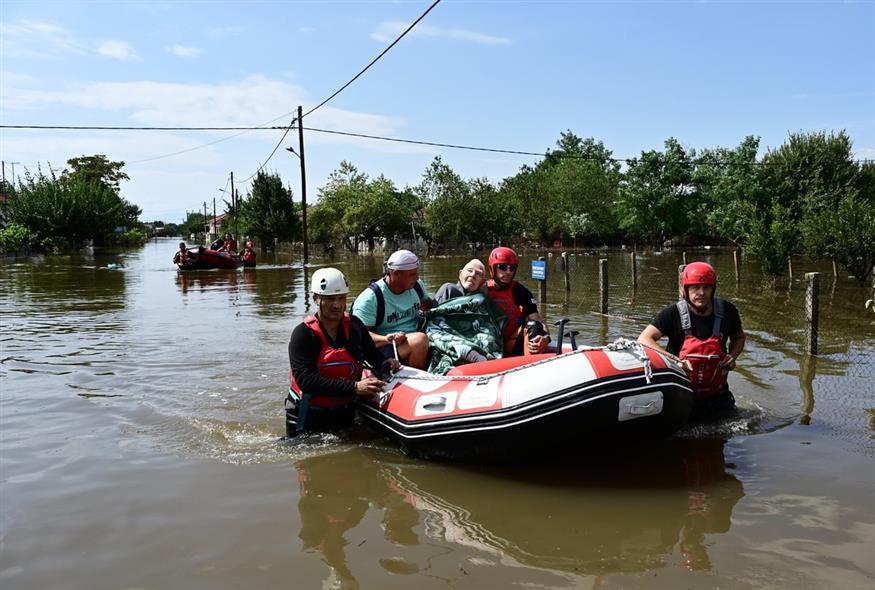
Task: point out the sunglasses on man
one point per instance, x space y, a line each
506 267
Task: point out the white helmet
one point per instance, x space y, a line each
328 281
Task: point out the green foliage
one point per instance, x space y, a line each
845 231
195 223
96 169
447 203
132 237
15 237
657 194
269 211
69 210
354 209
726 181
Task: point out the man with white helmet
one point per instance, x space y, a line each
390 310
327 352
704 333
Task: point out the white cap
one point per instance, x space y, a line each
402 260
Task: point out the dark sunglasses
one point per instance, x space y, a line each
505 267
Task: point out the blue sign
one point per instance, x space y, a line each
539 270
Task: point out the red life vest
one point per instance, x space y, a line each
514 311
249 256
704 355
333 363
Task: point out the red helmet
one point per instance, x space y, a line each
698 273
502 255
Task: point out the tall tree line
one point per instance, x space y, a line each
808 196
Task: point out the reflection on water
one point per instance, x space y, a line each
105 374
629 510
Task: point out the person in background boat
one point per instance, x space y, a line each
472 276
248 254
183 255
327 352
516 301
705 336
390 309
230 244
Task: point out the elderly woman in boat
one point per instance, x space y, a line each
465 326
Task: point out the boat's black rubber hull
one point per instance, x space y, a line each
567 419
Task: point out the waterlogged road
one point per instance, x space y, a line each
140 424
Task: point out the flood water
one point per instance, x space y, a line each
141 416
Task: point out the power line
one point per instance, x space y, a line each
360 135
338 91
382 53
275 148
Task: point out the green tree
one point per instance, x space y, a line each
354 209
72 210
845 231
656 194
97 168
803 183
447 203
727 181
269 211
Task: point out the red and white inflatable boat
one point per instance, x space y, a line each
533 403
205 258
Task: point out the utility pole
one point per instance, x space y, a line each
234 204
214 211
303 181
206 233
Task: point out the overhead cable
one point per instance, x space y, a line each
382 53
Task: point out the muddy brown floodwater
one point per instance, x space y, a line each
141 416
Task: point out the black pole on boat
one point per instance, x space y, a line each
561 324
572 335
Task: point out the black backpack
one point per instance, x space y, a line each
381 301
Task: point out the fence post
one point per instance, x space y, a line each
680 276
603 285
543 287
790 268
812 311
735 264
565 268
835 271
634 270
684 256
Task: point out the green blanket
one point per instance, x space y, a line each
463 329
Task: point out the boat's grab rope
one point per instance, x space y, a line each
632 347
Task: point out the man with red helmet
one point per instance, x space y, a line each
705 334
516 301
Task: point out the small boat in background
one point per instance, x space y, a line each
515 406
200 258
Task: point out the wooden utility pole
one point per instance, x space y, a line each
234 205
303 182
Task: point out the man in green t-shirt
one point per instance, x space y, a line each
389 308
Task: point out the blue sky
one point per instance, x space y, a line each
508 75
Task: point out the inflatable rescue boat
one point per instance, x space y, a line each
533 403
205 258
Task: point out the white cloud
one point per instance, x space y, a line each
36 39
183 51
116 50
388 31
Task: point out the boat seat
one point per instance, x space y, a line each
497 365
